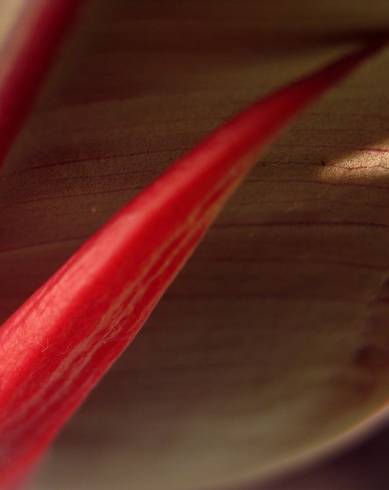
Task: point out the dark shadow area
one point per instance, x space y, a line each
364 466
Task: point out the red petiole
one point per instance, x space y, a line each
58 345
26 55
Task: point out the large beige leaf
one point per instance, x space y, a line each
273 343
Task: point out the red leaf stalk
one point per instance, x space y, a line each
58 345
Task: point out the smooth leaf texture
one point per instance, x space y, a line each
57 346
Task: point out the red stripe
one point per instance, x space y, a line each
104 293
30 49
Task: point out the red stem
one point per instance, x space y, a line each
59 344
27 55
